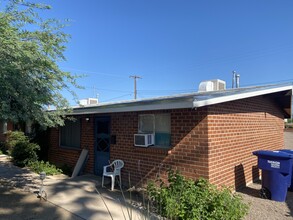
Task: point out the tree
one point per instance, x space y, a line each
30 79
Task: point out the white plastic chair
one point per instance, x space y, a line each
116 166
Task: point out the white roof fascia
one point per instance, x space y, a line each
137 107
234 97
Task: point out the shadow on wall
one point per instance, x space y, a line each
255 174
240 181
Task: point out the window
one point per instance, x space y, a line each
70 134
158 124
3 127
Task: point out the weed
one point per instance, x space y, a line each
42 166
182 198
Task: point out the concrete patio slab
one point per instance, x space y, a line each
82 196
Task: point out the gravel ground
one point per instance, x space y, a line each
264 208
268 209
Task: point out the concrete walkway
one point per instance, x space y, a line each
83 196
288 138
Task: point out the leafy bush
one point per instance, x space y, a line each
24 152
14 137
185 199
42 166
66 169
2 148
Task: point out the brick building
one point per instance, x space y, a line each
4 127
204 134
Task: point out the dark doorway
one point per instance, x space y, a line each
102 143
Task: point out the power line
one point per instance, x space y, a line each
93 72
107 100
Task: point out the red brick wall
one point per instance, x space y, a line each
214 142
236 129
68 156
188 138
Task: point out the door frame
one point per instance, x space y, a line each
106 117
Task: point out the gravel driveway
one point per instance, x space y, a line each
267 209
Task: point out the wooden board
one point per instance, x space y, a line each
81 161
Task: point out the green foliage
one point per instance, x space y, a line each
182 198
30 79
42 166
13 138
66 169
3 149
24 152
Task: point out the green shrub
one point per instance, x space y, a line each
66 169
24 152
42 166
3 149
14 137
182 198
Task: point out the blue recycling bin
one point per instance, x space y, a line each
276 175
289 152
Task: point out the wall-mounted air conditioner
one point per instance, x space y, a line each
144 140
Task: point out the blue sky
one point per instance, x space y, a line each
174 45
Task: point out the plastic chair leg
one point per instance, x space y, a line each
113 182
120 183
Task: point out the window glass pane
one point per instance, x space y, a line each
146 123
160 124
163 123
3 126
70 134
163 130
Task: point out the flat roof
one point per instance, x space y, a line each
281 92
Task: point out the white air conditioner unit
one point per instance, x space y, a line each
212 85
144 140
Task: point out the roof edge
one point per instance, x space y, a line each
217 100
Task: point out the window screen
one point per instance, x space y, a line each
70 134
162 130
146 124
158 124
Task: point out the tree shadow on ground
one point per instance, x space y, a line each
17 204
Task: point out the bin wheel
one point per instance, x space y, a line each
265 193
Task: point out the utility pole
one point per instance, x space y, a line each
135 90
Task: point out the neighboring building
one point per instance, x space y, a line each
4 127
204 134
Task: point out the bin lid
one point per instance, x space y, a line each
289 151
278 154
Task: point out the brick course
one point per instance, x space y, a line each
213 142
